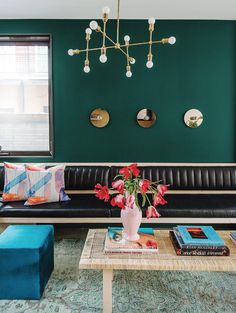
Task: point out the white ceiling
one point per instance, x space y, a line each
130 9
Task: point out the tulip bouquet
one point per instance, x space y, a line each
126 187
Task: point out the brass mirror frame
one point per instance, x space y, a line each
99 118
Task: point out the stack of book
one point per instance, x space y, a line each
233 236
115 241
198 241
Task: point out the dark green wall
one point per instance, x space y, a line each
197 72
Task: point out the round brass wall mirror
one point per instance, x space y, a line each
146 118
99 118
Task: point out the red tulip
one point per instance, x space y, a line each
102 192
152 212
119 185
158 199
119 201
144 185
134 169
162 189
125 171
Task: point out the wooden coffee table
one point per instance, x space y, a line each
93 257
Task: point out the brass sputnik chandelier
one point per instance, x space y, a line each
123 48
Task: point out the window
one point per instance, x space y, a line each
25 97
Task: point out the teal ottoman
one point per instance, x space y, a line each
26 261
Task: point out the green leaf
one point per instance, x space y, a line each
136 200
144 200
118 175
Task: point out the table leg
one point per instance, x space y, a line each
107 291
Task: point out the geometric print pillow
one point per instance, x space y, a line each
46 185
15 182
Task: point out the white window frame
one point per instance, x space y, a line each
11 38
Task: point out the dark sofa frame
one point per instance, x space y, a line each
190 184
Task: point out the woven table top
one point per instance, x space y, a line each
93 256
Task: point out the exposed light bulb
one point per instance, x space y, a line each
103 58
132 60
88 31
127 38
172 40
151 20
86 69
106 10
149 64
146 118
128 74
93 25
71 52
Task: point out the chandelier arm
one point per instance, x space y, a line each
95 49
150 42
87 47
146 43
163 41
104 34
127 52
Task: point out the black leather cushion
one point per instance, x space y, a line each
2 177
86 177
186 205
79 206
190 177
1 205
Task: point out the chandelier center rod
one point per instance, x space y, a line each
118 23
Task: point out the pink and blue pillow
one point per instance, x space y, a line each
46 185
34 183
16 182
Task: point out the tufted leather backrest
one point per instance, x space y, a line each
179 177
86 177
79 177
190 177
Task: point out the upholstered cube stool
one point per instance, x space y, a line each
26 261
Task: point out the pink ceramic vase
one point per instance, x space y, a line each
131 219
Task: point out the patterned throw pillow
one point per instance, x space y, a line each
15 181
46 185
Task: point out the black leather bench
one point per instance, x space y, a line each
200 192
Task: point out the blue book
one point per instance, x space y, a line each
112 231
193 246
200 235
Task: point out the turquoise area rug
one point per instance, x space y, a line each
71 290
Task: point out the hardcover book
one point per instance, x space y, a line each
222 251
116 243
193 246
200 235
233 234
233 237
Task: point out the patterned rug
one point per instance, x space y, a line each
71 290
